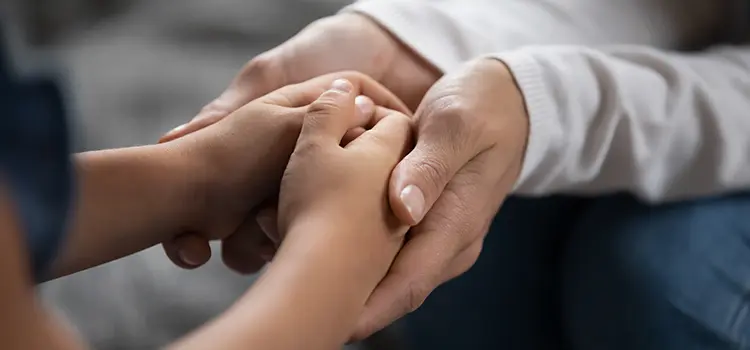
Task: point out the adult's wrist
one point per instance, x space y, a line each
408 22
528 76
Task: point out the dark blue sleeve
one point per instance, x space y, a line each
35 163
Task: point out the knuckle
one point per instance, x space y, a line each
259 65
433 170
217 107
332 96
401 119
454 119
400 131
474 235
327 103
265 69
307 148
416 293
452 115
472 255
464 261
364 332
474 251
469 230
469 258
353 76
485 228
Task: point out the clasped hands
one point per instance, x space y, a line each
469 132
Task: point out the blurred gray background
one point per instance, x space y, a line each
133 70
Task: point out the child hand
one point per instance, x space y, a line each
341 236
242 158
345 187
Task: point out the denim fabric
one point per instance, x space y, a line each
34 161
608 273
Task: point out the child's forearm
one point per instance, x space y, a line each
126 200
130 199
314 292
311 295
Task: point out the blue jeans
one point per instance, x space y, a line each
607 273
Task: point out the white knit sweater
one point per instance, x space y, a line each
615 101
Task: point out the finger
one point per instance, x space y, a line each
247 250
445 142
435 251
267 220
351 135
188 251
463 261
392 131
414 274
330 116
307 92
460 265
365 109
376 115
191 127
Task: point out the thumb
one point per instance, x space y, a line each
330 116
188 251
420 178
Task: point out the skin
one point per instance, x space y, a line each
472 129
341 42
132 198
340 235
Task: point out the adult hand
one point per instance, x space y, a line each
340 42
471 137
346 41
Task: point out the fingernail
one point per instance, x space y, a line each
341 85
176 130
267 254
365 106
266 257
186 259
413 200
267 224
